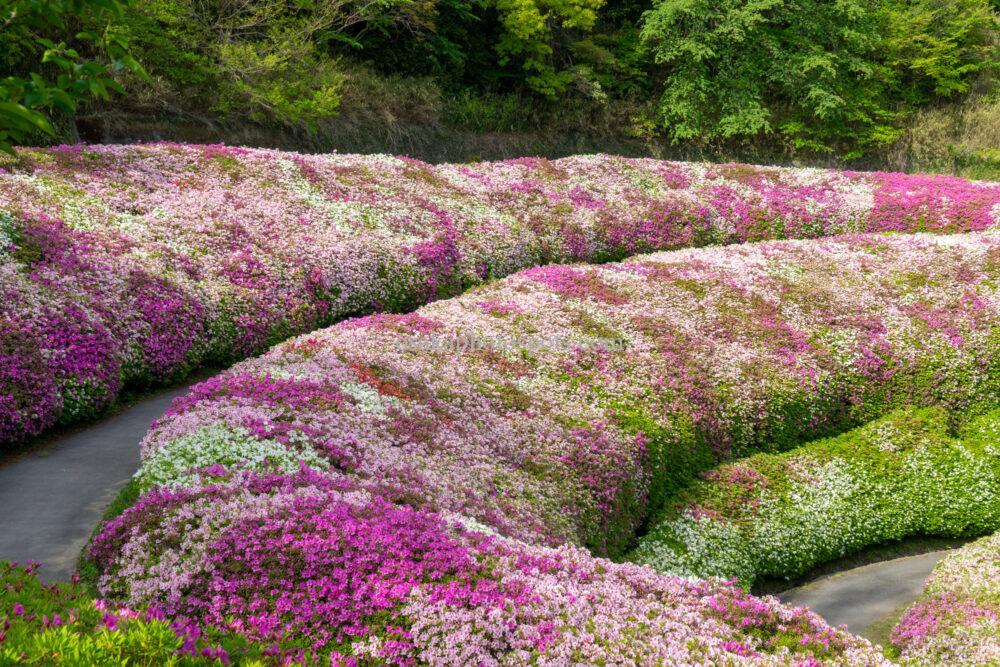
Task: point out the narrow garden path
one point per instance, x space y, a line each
865 598
52 496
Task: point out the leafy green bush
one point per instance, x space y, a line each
61 625
781 514
58 75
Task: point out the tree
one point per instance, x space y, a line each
823 75
529 28
58 77
807 69
937 48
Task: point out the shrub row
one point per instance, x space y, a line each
131 265
419 487
779 515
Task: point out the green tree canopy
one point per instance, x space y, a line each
43 30
818 72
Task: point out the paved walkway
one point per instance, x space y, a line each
51 498
863 596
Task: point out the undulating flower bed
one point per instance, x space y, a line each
957 620
61 625
421 487
779 515
131 265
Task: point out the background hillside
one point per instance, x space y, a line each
892 84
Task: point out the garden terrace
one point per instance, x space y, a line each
129 266
419 487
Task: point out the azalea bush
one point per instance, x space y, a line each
779 515
129 266
957 619
464 468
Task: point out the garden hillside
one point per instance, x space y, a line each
418 487
130 266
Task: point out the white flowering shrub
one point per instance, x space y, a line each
221 445
781 514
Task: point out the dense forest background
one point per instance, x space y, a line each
901 84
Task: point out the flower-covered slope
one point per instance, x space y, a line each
779 515
134 264
957 620
419 487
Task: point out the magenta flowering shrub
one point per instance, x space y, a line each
30 395
322 568
134 264
465 467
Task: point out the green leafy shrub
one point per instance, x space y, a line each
61 625
56 75
781 514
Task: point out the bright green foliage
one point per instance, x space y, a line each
937 46
822 75
62 625
807 69
529 27
61 75
779 515
747 79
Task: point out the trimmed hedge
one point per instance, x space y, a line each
779 515
132 265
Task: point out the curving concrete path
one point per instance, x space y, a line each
53 496
862 597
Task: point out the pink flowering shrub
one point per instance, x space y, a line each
465 468
326 570
957 620
132 265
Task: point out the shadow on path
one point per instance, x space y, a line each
862 597
52 497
